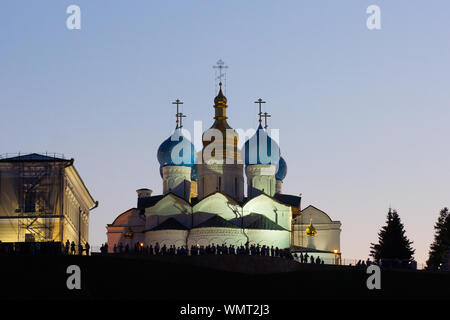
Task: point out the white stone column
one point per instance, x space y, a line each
260 178
311 244
177 179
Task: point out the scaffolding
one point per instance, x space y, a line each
36 182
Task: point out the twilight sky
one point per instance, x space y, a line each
363 115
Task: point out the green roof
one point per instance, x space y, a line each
257 221
169 224
216 222
263 223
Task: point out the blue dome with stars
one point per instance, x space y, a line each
261 149
281 170
171 151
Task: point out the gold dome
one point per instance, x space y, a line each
220 98
311 231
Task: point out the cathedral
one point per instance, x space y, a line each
206 199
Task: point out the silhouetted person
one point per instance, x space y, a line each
87 246
72 248
67 247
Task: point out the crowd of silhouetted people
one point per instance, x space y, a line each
213 249
44 248
72 248
305 258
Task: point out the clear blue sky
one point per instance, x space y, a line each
363 115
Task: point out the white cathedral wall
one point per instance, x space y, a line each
209 236
226 178
275 211
327 237
328 231
275 238
217 204
166 237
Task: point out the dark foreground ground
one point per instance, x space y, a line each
206 278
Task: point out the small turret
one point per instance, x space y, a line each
311 233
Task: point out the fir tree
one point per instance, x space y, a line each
392 241
441 242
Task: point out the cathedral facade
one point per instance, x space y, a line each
204 200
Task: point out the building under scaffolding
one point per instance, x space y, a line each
43 198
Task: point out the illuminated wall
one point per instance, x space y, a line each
42 200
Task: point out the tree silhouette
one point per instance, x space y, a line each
441 242
392 241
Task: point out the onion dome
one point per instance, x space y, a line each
171 151
220 98
282 170
311 231
194 172
261 149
